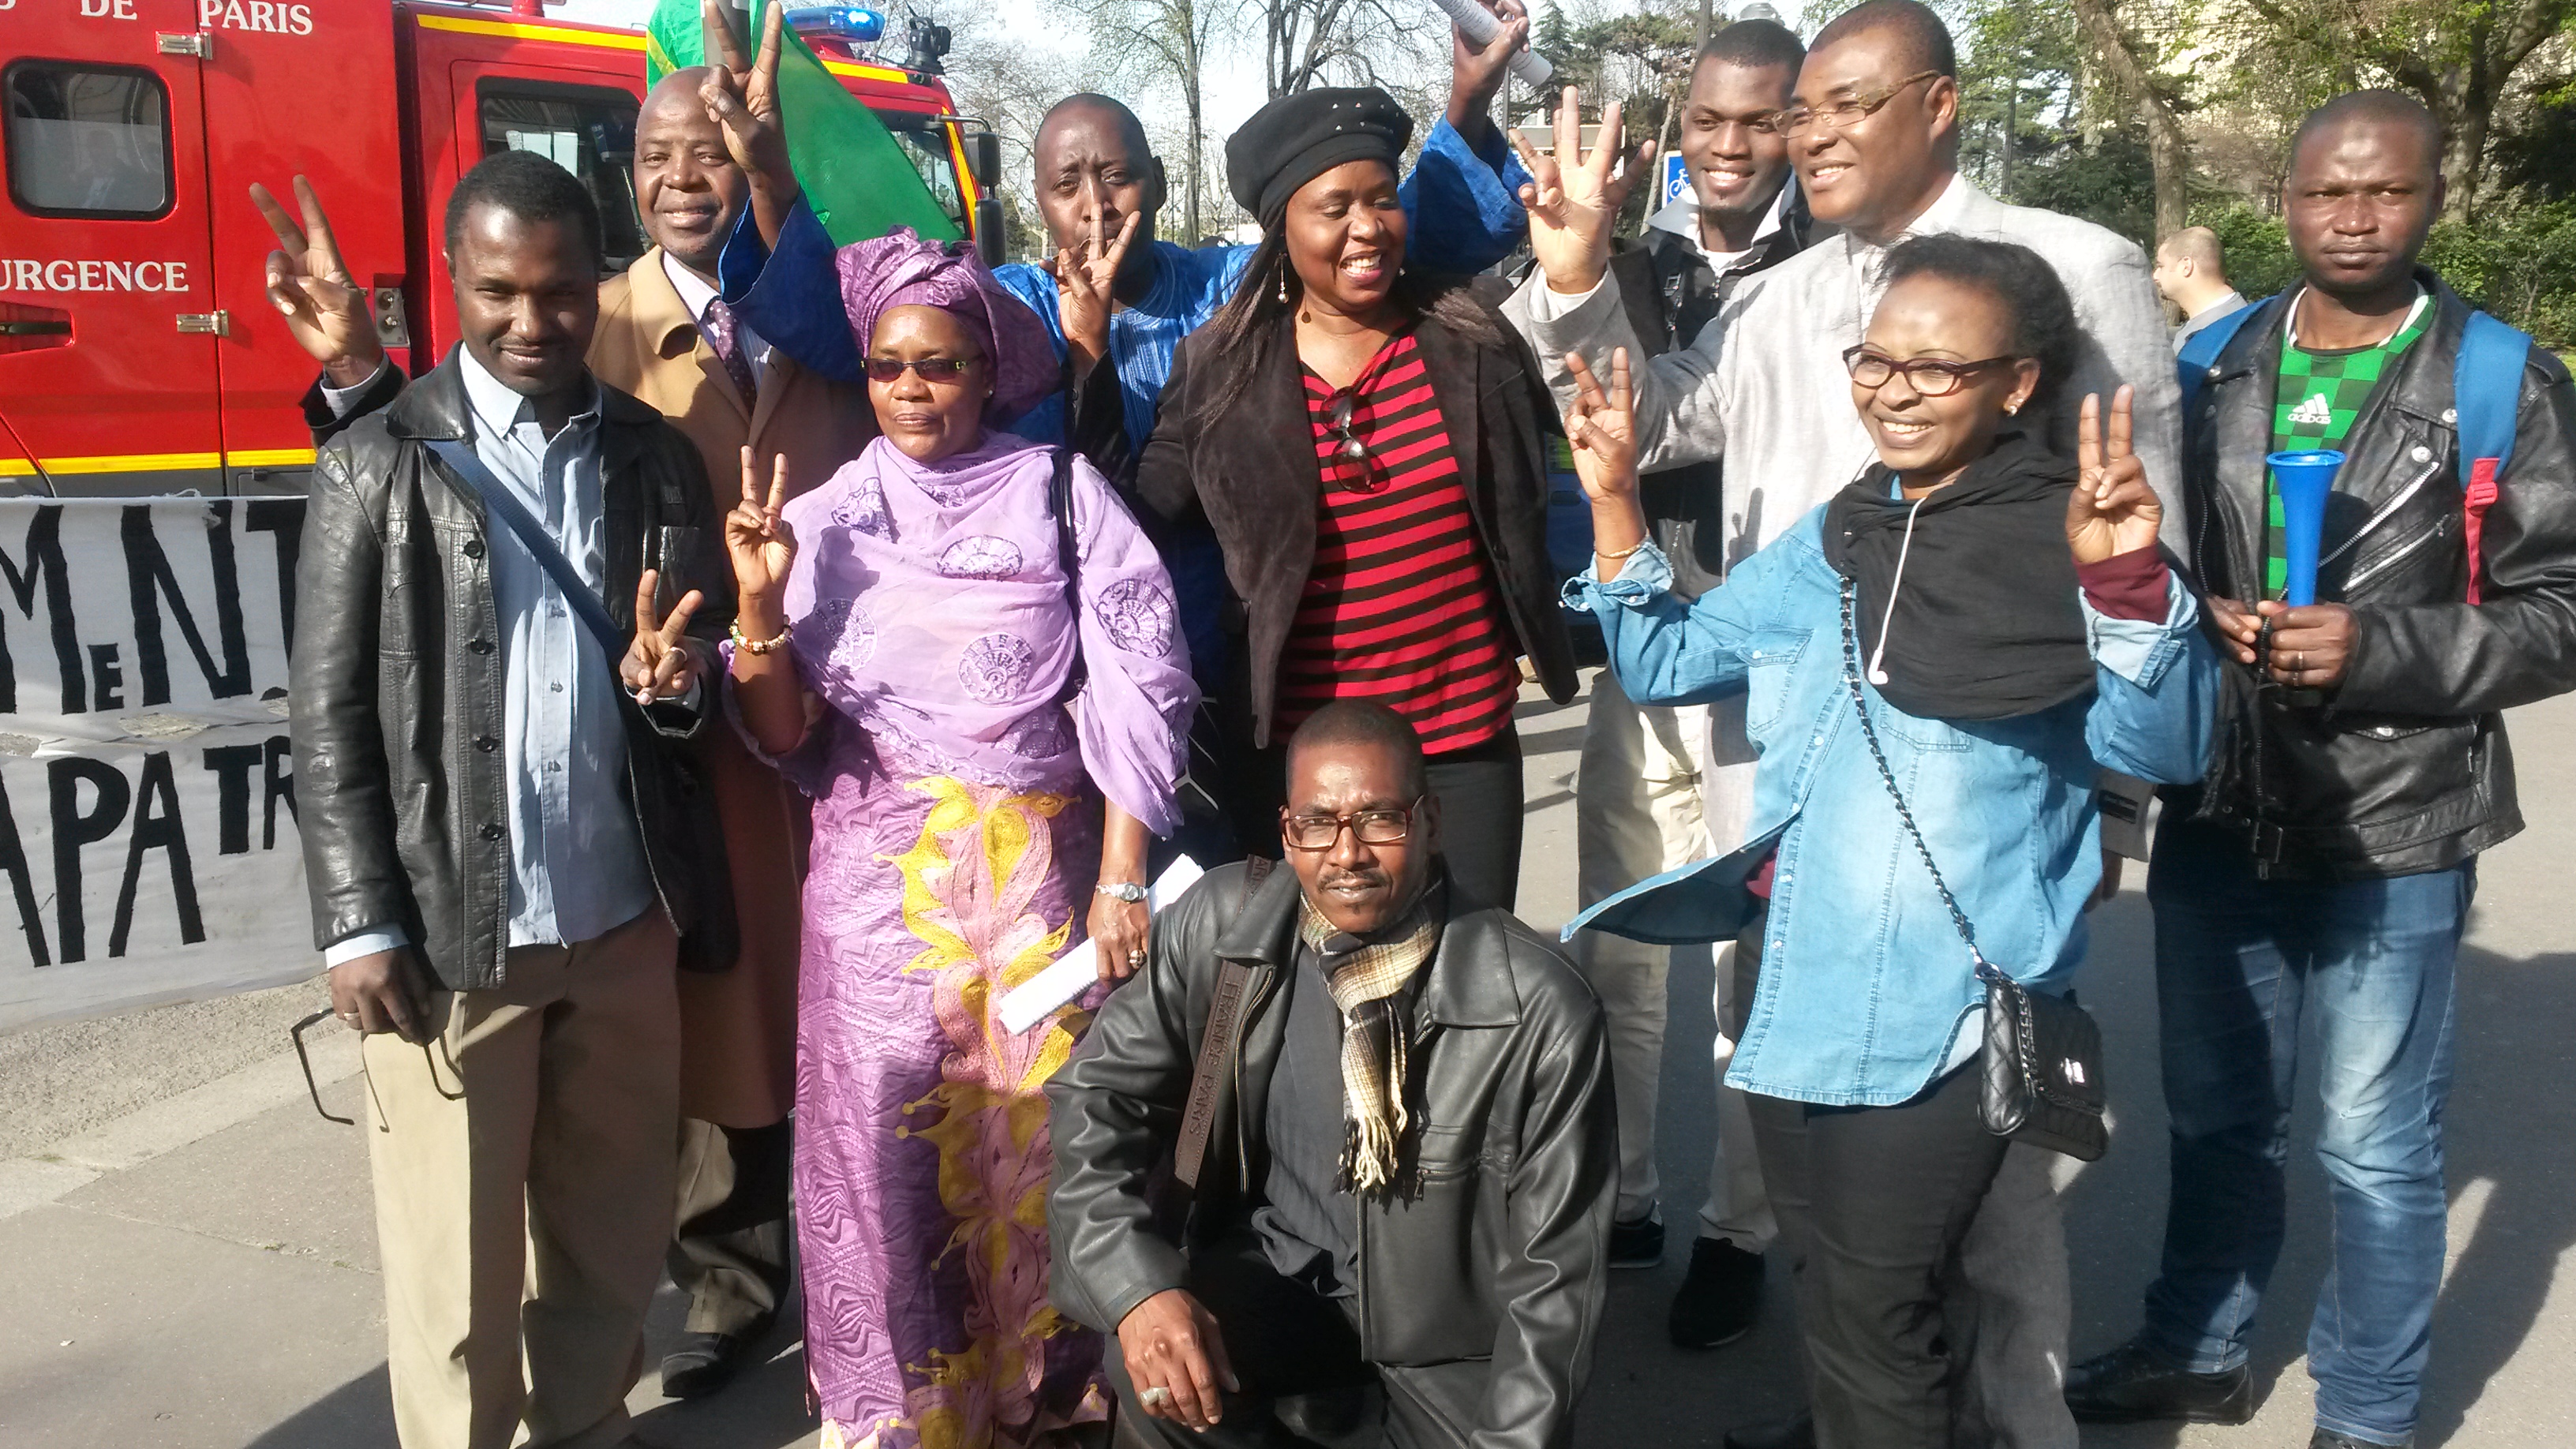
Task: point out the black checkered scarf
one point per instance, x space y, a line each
1367 981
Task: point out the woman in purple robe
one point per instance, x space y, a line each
986 742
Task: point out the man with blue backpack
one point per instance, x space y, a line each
2325 866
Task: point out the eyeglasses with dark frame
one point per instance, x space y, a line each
1373 827
1930 376
937 371
313 1088
1847 112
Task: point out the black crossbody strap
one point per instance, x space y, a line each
1217 1043
1068 556
499 503
1868 733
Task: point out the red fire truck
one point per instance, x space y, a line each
138 352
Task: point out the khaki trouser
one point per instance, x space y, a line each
524 1181
1637 813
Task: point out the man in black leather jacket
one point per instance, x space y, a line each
505 856
2327 864
1468 1280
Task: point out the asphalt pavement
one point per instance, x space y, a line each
187 1252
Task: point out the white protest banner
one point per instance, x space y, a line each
148 850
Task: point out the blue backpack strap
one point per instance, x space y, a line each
2200 353
2486 397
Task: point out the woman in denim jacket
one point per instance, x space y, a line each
2009 622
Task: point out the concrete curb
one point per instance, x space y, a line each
139 1136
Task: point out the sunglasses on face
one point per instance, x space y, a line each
1930 376
934 370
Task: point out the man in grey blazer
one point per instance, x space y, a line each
1873 136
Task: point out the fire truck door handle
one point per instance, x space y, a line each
201 45
212 324
393 328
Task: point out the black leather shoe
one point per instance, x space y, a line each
1639 1244
1718 1302
2133 1383
1797 1433
706 1362
2330 1439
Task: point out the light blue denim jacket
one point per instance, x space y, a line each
1865 982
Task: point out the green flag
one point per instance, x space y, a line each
856 175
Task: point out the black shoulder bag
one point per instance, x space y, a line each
2043 1053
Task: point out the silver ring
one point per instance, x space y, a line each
1136 957
1155 1397
348 1016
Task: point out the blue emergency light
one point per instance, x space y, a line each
854 24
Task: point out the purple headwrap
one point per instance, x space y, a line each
900 269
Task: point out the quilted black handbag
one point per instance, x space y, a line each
2042 1062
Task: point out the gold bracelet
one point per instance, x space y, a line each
1623 553
763 646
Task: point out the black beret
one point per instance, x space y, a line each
1297 138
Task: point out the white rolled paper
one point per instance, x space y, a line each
1481 27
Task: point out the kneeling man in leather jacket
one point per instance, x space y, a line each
1406 1154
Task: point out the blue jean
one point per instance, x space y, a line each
2239 960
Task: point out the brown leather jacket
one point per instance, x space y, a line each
397 684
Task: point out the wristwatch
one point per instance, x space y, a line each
1123 890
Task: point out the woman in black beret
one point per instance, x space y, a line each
1368 444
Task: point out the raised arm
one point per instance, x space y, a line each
2156 676
1462 202
1571 302
1663 650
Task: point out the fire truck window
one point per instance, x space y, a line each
927 150
87 141
588 131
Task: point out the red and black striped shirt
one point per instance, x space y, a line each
1401 605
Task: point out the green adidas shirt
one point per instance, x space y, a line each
2314 404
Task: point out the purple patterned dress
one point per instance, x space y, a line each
956 842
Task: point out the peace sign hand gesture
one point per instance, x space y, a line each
326 313
1085 278
1574 198
741 96
1601 429
762 547
2112 511
661 664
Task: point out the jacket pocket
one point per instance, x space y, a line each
1770 664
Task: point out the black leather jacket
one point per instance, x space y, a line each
2404 767
1501 1256
397 684
1253 476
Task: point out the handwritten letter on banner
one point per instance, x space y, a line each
148 850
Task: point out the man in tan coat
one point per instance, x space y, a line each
659 330
666 337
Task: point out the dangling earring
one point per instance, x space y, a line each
1283 283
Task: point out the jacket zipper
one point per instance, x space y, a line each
2397 555
2382 516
